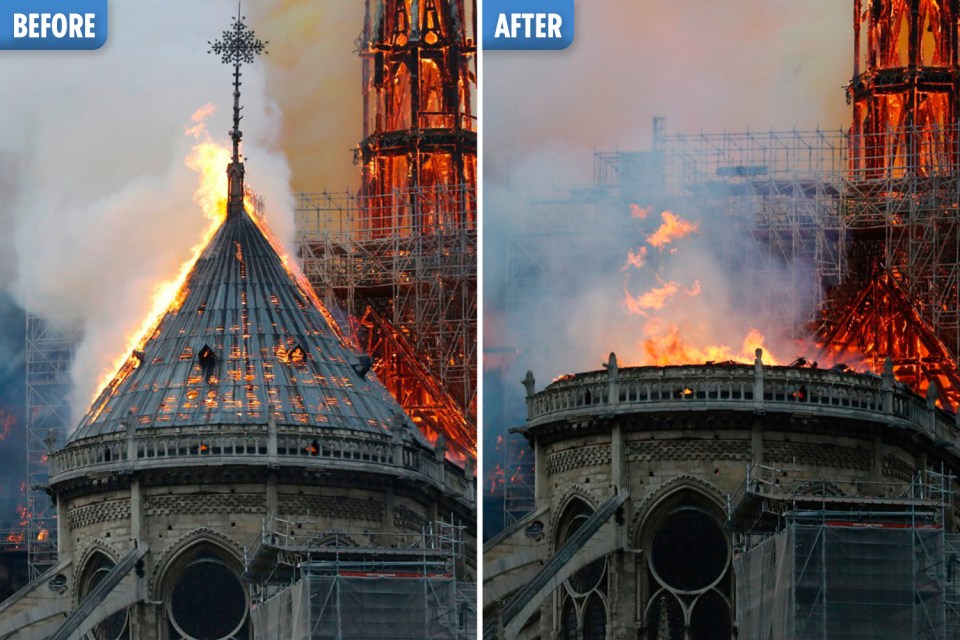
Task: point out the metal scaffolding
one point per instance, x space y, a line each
819 558
519 487
49 356
310 582
420 287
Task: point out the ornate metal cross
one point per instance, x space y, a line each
237 45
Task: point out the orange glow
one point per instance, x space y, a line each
6 421
673 228
638 212
656 299
209 159
667 346
635 259
496 478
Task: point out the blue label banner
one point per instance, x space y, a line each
59 25
527 24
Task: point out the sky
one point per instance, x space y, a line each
98 201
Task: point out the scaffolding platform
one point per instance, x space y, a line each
814 561
309 583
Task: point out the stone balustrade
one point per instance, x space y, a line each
754 388
247 445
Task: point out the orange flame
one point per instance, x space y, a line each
209 159
6 422
638 212
673 228
666 347
656 299
635 259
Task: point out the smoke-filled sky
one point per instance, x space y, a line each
705 66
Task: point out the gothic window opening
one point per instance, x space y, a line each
206 600
688 572
583 611
114 627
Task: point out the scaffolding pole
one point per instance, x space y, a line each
49 356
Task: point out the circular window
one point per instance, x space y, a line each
689 551
208 602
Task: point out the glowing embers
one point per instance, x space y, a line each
401 23
238 256
432 31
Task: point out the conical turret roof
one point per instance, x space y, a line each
245 340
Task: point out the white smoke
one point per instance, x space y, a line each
98 202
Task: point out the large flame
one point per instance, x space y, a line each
666 345
209 159
674 329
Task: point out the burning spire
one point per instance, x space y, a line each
237 45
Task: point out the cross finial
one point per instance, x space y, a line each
237 45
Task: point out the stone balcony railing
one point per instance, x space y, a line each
270 445
756 388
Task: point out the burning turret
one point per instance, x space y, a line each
901 292
403 262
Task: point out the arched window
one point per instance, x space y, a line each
569 624
595 619
583 612
688 575
114 627
205 598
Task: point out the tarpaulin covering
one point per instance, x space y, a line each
818 581
374 607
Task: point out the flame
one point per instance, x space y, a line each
657 298
208 158
6 422
666 346
673 228
496 478
638 212
635 259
